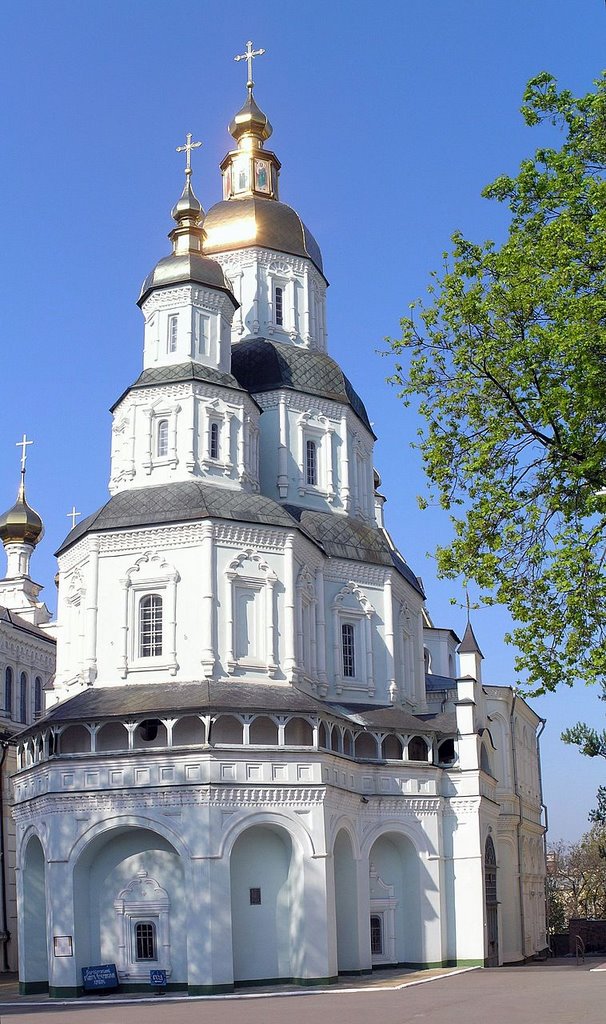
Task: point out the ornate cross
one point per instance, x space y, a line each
249 57
73 515
22 444
187 148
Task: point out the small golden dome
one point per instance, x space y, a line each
188 206
21 524
250 120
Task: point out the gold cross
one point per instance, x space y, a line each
22 444
249 57
187 148
73 515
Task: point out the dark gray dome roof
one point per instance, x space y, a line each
240 223
262 365
177 373
188 267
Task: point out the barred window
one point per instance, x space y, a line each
145 940
8 692
214 440
279 307
172 333
162 439
150 626
311 463
348 649
376 935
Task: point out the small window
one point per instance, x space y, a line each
311 463
8 692
254 896
37 696
172 333
376 935
200 333
162 439
446 752
417 749
150 626
23 698
145 940
279 306
214 441
348 648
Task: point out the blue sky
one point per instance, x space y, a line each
389 118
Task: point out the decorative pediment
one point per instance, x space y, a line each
379 890
250 563
353 598
142 893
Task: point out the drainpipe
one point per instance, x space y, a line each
518 825
5 935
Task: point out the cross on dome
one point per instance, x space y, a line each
73 515
249 56
22 444
187 148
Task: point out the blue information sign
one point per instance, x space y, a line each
102 976
157 979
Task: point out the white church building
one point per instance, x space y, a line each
260 760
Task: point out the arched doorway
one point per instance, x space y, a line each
396 925
492 907
346 904
264 891
33 952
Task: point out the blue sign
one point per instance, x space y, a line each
102 976
157 979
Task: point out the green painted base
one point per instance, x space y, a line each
303 982
32 988
66 991
355 974
144 988
430 965
208 990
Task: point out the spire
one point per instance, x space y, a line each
469 644
250 170
188 236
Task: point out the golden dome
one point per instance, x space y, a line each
21 524
239 223
250 121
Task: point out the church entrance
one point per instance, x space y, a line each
492 906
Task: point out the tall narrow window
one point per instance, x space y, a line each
162 439
200 333
311 463
279 306
376 934
150 626
8 692
349 654
23 698
214 442
145 941
37 696
172 333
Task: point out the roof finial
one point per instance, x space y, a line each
249 57
187 148
73 515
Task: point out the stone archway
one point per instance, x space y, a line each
33 947
395 901
346 904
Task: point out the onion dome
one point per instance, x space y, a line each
21 524
251 122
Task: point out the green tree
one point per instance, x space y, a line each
576 880
507 358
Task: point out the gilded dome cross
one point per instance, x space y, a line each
22 444
187 148
249 57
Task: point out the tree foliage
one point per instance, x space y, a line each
507 358
576 880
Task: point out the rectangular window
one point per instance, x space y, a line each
279 306
214 442
162 443
201 333
376 935
145 940
255 897
311 463
150 626
348 649
172 333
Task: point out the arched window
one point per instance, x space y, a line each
417 749
348 649
23 698
37 696
150 626
8 692
214 440
145 941
279 306
311 463
162 439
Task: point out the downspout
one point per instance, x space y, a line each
518 825
5 936
543 722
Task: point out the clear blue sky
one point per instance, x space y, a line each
388 117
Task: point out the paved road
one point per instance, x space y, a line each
545 994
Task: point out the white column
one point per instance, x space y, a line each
191 430
207 599
292 301
321 631
336 640
328 448
171 625
92 593
369 659
123 667
242 429
229 621
272 628
283 449
289 607
392 687
345 488
307 307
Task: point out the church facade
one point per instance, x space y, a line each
260 760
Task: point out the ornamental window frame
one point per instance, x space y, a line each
306 625
172 333
351 607
217 412
282 299
150 625
142 902
406 649
249 571
157 413
150 575
314 427
383 904
200 318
